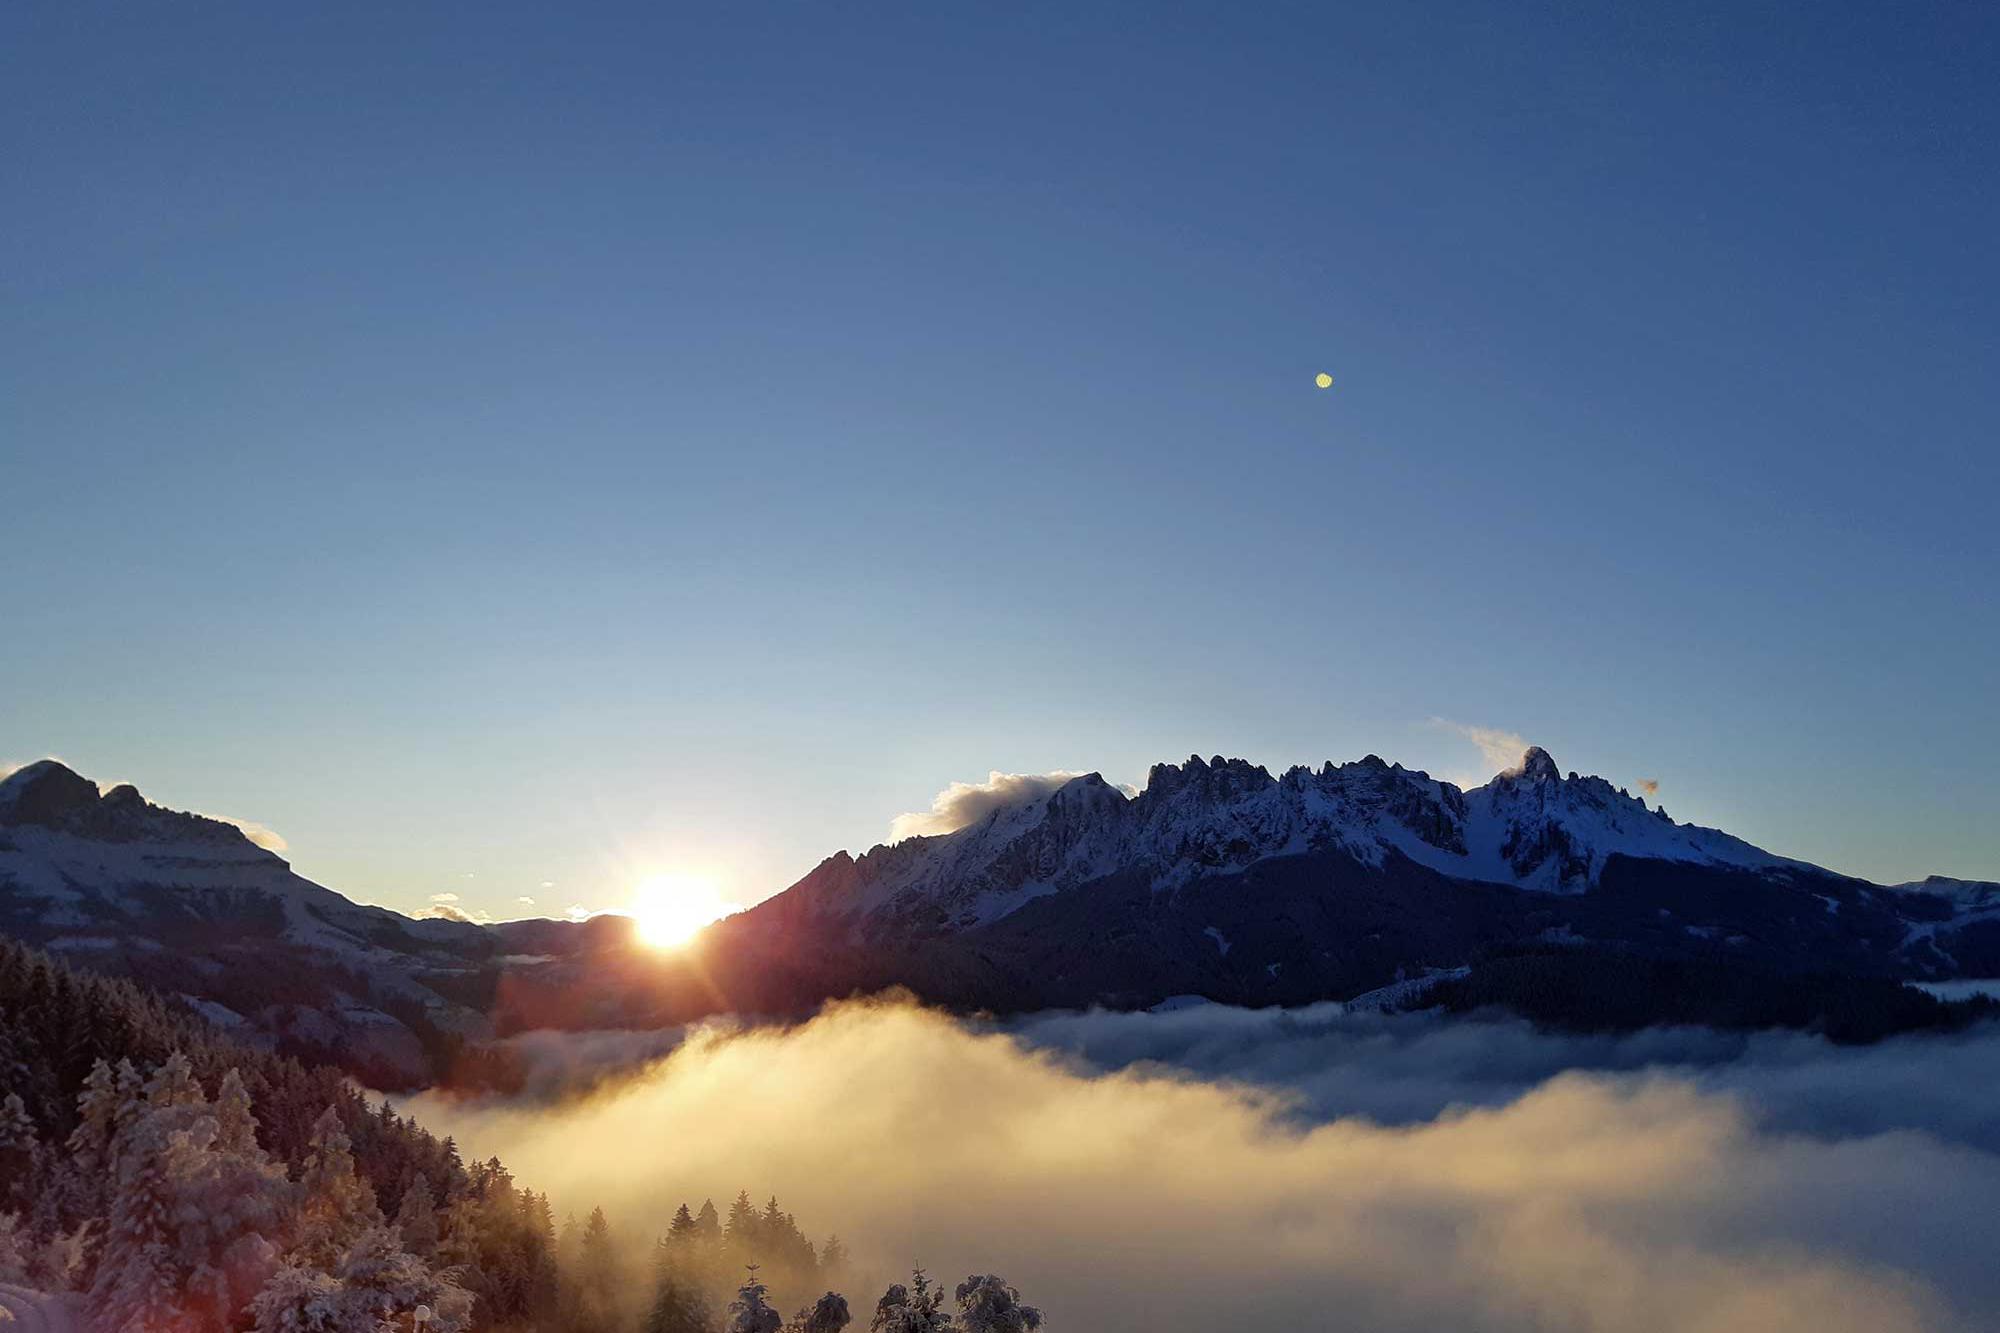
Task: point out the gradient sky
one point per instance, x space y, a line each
511 450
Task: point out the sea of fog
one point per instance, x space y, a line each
1210 1168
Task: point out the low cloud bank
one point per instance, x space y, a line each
1402 1068
1128 1171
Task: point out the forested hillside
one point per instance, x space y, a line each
176 1181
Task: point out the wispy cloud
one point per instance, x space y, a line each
444 897
267 838
966 803
445 911
1501 749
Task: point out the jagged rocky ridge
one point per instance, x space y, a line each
1221 880
1529 827
1217 879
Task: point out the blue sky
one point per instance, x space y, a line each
513 450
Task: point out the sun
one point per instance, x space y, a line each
668 910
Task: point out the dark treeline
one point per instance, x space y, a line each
181 1182
1582 989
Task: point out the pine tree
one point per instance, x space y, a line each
336 1205
569 1245
13 1251
708 1225
597 1271
131 1092
387 1280
229 1205
678 1307
827 1315
136 1287
750 1312
740 1233
416 1218
236 1127
916 1308
298 1299
17 1152
832 1260
988 1305
173 1085
96 1121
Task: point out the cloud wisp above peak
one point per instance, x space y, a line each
1499 749
262 835
966 803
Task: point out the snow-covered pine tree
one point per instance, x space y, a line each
96 1124
130 1088
236 1127
917 1308
18 1143
173 1085
374 1289
335 1204
229 1208
13 1249
416 1218
751 1311
387 1280
298 1299
826 1315
136 1290
986 1304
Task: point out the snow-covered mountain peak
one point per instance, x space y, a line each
50 795
44 790
1535 767
1529 826
1213 779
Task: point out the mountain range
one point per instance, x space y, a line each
1216 880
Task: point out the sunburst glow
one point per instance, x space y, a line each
670 909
